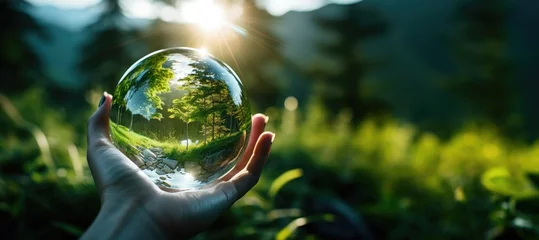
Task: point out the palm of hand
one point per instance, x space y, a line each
121 182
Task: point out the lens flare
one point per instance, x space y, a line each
206 13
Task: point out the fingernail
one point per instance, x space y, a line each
272 137
266 118
102 100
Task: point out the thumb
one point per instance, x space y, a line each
98 123
109 165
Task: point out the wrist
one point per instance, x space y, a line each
124 220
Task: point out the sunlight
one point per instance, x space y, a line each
291 103
205 13
203 51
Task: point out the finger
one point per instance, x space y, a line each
261 153
247 178
223 194
258 124
98 123
107 164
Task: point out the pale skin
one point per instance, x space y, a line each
133 207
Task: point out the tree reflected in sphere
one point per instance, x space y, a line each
182 116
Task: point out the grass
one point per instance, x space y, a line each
127 141
404 183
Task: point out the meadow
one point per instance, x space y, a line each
324 180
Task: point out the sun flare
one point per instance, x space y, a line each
205 13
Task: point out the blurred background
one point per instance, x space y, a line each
394 119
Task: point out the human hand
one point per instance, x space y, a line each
134 207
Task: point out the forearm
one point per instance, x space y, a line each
123 221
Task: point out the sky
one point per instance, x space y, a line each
275 7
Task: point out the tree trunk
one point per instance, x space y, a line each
118 115
231 121
187 134
204 126
131 124
213 122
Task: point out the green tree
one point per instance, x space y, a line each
209 99
485 74
341 86
254 54
20 66
181 109
111 49
250 53
150 77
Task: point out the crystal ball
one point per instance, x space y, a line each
182 116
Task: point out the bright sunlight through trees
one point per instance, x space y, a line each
207 14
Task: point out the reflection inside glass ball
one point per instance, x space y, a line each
180 115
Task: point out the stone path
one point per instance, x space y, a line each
154 159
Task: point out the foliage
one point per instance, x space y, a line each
481 58
333 173
106 55
391 180
17 59
128 141
207 100
339 74
150 77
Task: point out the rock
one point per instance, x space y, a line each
150 164
151 168
163 178
190 165
214 158
160 172
167 169
160 165
171 163
147 160
148 154
156 150
138 161
169 177
165 184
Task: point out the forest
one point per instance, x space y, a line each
393 120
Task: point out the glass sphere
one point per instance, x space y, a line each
182 116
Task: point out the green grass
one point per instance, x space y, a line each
127 141
228 142
404 183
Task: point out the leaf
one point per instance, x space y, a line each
284 213
280 181
76 231
500 181
253 199
287 231
157 116
534 178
